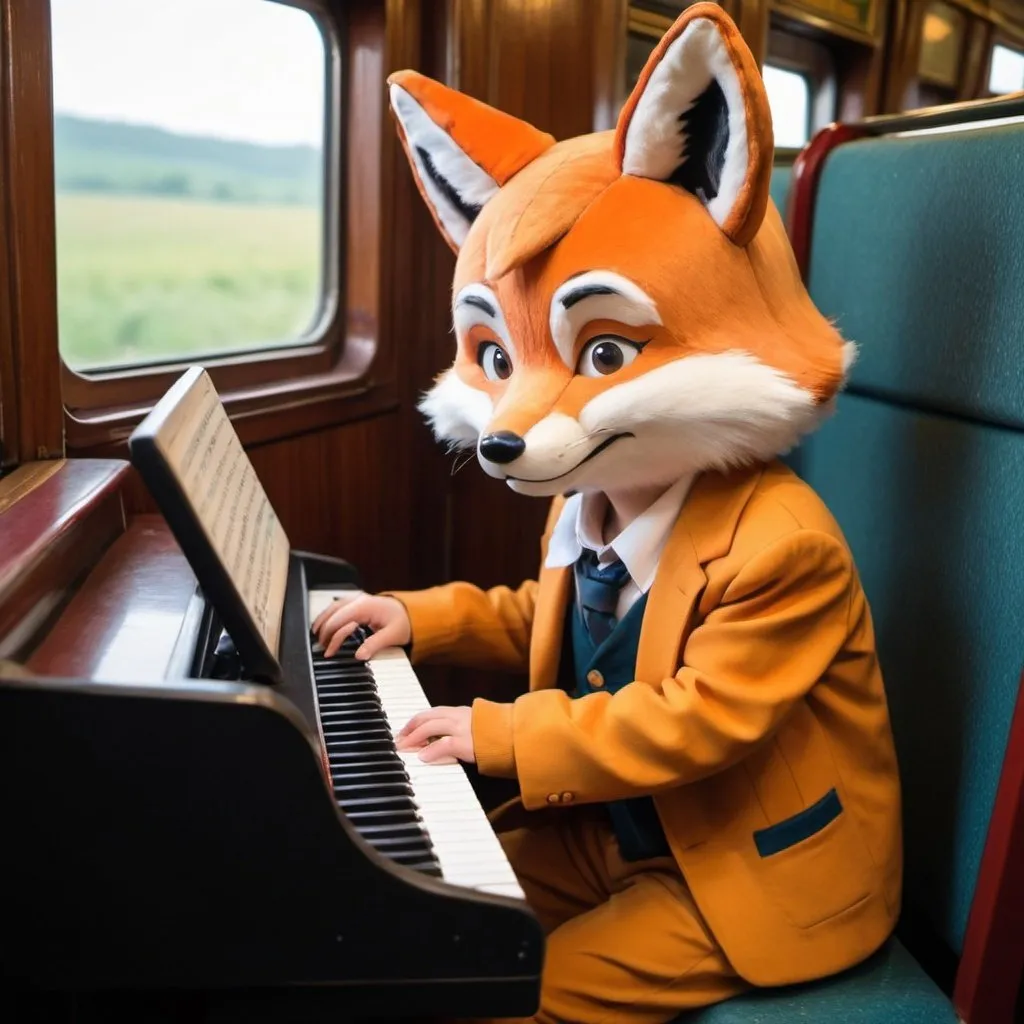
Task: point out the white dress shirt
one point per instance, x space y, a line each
581 525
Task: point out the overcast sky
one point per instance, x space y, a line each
238 69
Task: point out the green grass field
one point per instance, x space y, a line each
147 278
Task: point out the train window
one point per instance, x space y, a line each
189 144
1006 72
789 96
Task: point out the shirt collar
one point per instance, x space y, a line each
639 545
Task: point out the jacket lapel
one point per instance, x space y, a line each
704 531
553 594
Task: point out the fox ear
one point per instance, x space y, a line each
699 118
461 150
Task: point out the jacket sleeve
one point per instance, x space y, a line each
781 622
463 625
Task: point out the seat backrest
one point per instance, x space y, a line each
778 188
918 252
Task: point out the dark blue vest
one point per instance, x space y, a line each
635 821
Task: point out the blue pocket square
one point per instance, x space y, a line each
785 834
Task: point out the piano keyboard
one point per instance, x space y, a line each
426 817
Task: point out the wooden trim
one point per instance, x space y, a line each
647 23
992 963
31 421
25 479
796 11
976 58
343 372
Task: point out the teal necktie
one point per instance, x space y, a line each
598 593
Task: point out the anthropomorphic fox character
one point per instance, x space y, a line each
709 791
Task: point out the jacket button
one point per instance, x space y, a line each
554 798
567 798
595 679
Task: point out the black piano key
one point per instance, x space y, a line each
396 791
371 786
342 729
361 804
382 778
401 817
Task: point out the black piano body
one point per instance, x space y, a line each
176 838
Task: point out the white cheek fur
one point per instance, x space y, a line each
457 413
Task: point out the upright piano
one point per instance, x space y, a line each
196 804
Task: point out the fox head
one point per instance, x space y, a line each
627 307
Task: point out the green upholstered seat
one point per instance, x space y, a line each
778 189
917 253
889 988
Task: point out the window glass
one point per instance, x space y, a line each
189 146
789 96
1006 73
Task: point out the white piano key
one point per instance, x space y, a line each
465 845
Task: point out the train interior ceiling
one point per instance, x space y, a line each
220 183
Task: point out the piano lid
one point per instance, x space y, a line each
193 463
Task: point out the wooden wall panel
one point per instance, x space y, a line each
31 419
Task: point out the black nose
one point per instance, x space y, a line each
502 447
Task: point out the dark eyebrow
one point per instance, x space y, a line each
569 299
480 303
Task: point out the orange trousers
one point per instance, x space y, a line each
625 941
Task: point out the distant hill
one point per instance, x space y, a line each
114 157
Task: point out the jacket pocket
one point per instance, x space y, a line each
774 840
815 864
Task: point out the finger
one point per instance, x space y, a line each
424 716
339 602
355 611
343 633
423 734
389 636
441 751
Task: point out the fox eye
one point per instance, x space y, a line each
606 354
494 361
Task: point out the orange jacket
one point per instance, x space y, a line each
757 720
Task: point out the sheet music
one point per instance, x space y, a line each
203 451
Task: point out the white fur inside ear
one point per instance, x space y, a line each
656 142
717 410
470 183
457 413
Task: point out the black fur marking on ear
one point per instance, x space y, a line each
447 189
706 127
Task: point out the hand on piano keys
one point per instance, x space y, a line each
345 612
439 734
425 816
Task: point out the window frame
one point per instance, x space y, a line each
800 72
1007 42
325 378
817 63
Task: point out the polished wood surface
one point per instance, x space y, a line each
124 621
52 537
31 426
25 479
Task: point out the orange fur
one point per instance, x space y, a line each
723 280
